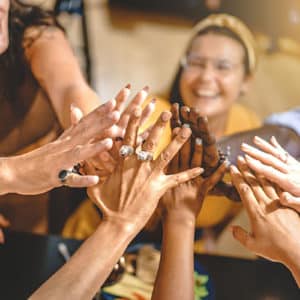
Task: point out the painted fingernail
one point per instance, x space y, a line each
198 141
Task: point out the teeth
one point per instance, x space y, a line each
206 94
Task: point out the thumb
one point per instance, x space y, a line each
242 236
176 179
75 114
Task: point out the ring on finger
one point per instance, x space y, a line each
64 174
144 155
126 150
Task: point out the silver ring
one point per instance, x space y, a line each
144 155
126 150
63 175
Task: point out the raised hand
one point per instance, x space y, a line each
48 167
273 162
274 228
131 193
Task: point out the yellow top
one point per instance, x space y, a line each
215 209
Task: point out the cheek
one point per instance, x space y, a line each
232 88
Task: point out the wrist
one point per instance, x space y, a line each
180 217
7 175
119 225
291 259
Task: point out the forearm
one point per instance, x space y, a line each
82 96
292 259
82 276
8 179
175 278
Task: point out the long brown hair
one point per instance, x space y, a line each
12 62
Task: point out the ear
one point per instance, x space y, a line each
248 79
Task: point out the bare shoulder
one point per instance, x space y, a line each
35 35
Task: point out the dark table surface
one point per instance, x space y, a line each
27 260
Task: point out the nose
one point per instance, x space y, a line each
207 73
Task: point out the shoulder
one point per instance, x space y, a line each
290 119
42 33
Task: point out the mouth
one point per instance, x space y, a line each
206 94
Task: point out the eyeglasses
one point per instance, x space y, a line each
198 64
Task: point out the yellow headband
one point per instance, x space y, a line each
237 27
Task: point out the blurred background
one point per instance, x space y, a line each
141 42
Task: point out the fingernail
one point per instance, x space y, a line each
128 86
186 125
185 133
244 145
153 100
198 141
185 108
107 142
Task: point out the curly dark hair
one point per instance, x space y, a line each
13 65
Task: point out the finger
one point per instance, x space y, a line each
268 188
107 161
267 171
198 152
272 148
147 112
204 132
175 120
250 178
136 102
243 237
214 179
132 128
226 189
81 153
76 114
176 179
210 158
171 150
156 132
174 164
194 115
90 125
76 180
284 155
185 113
122 97
264 157
185 154
245 192
143 136
286 199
